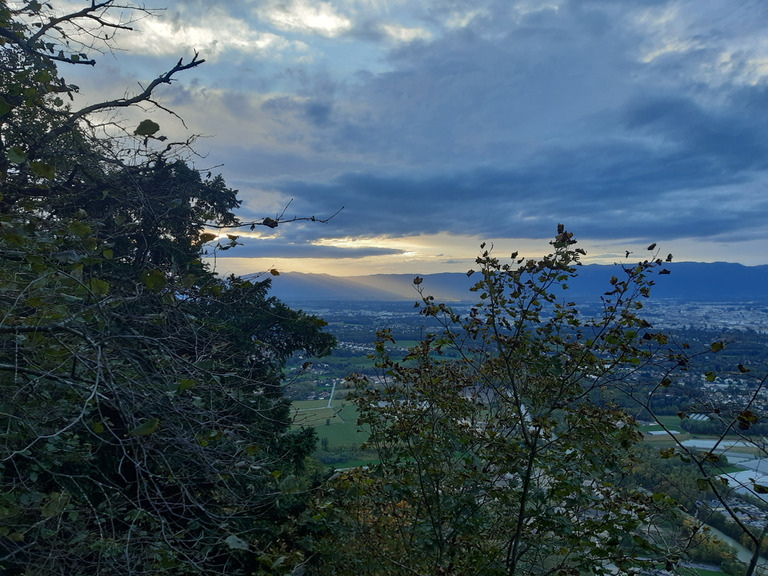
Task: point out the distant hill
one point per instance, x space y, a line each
717 281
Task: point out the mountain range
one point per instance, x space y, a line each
718 281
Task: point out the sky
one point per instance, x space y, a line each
441 124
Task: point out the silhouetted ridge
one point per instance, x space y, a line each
719 281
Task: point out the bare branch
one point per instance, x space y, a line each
143 96
274 223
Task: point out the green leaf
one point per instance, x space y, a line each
702 483
146 428
154 280
710 376
99 287
43 170
146 128
16 155
80 229
717 346
185 384
4 107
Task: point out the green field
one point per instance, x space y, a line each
338 424
671 422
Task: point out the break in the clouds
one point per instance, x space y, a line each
639 120
255 247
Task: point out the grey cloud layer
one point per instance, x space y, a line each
645 118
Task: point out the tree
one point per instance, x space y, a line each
737 422
500 449
144 426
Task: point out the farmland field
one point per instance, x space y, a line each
337 424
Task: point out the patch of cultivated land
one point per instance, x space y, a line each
337 424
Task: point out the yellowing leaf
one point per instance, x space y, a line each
185 384
146 428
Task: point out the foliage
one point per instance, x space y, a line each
494 456
144 426
742 424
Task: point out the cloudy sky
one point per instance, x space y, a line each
439 124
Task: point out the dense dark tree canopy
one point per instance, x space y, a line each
144 427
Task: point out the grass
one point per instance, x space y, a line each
315 418
671 422
664 438
338 424
338 427
359 362
309 404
